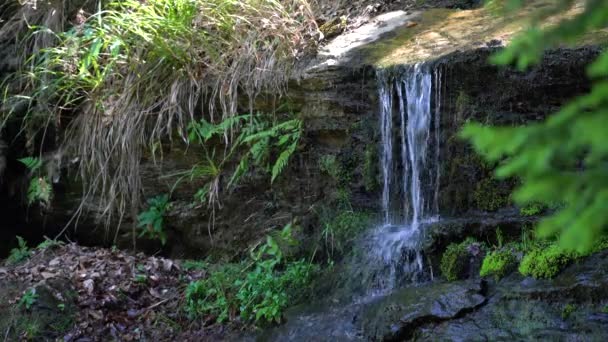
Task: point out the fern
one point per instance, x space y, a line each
152 220
32 163
40 188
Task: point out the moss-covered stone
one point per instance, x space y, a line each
498 263
545 262
456 258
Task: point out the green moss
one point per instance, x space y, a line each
462 102
341 228
370 168
498 263
545 262
488 195
455 258
568 310
532 209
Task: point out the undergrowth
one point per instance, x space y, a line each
258 290
124 79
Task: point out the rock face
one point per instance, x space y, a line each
396 317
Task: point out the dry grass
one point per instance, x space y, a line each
125 79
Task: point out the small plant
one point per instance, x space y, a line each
30 297
329 165
32 330
456 257
545 262
141 278
499 237
340 229
498 263
531 209
605 309
49 244
20 253
40 188
568 310
151 221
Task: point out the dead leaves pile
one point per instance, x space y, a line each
120 295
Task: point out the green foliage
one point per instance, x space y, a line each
32 163
216 294
261 139
136 70
488 195
605 309
151 221
545 262
257 142
455 258
531 209
40 188
261 294
49 244
498 263
20 253
341 228
329 165
29 298
568 310
561 159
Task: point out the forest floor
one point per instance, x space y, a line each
75 293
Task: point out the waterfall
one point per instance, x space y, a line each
410 181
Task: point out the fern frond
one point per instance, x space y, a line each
32 163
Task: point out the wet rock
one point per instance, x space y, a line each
524 308
397 316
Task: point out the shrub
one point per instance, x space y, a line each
545 262
455 258
498 263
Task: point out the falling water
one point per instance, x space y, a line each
410 185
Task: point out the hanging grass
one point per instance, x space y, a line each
126 77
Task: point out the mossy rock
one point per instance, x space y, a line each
545 262
458 260
498 263
333 28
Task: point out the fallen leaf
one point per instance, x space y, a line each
89 285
